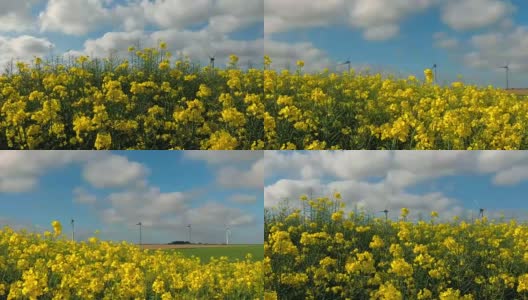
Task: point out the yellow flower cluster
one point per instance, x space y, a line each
145 102
370 111
35 266
312 254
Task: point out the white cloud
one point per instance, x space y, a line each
114 171
23 47
494 49
82 196
217 157
232 177
15 16
243 198
286 54
75 17
217 214
378 18
236 169
79 17
198 45
177 13
19 170
474 14
171 212
511 176
146 204
348 172
17 184
442 40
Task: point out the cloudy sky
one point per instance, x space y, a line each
467 37
197 28
113 191
450 182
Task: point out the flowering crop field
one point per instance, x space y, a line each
138 103
365 111
36 266
321 252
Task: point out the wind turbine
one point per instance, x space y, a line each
507 68
386 212
481 210
346 63
211 61
139 224
227 233
73 230
435 75
189 226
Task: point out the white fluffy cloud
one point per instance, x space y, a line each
494 49
474 14
286 54
385 183
78 17
243 198
172 212
20 170
75 17
114 171
442 40
198 45
245 169
16 15
82 196
23 47
239 178
218 157
380 19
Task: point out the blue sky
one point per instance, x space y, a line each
450 182
95 27
471 38
112 191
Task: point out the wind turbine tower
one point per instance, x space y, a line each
211 61
139 224
227 233
507 68
386 212
347 63
73 230
189 226
435 74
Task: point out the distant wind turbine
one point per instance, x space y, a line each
227 233
507 68
435 74
386 212
346 63
481 210
73 230
212 62
189 226
139 224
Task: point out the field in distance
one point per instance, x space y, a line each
520 92
204 252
